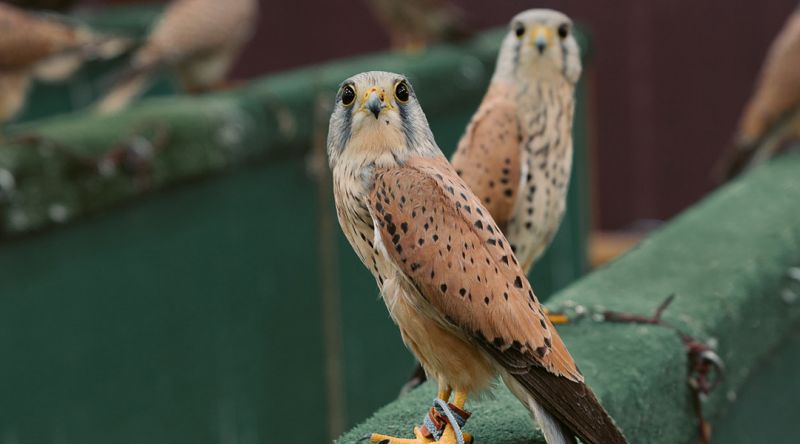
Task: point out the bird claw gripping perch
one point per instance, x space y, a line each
434 427
441 414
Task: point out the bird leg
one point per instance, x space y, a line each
439 420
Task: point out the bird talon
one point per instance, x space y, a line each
378 438
558 318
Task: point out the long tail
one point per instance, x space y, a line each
554 432
128 86
563 409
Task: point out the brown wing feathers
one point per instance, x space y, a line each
448 246
488 158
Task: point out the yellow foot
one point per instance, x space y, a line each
448 437
556 318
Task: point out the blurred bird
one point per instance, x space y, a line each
772 115
199 39
414 24
446 272
516 154
43 47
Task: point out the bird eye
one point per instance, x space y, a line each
519 30
348 95
563 31
401 92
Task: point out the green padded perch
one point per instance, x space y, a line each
729 261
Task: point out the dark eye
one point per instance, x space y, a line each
348 95
401 92
519 30
563 31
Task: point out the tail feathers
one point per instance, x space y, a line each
734 161
564 409
554 432
129 86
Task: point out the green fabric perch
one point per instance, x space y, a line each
729 261
63 169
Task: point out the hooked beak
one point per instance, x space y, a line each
540 38
374 103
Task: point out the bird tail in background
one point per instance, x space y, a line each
554 432
733 162
747 152
129 86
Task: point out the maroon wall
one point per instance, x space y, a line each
670 79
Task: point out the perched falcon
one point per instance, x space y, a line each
772 115
413 24
44 47
199 39
516 154
445 270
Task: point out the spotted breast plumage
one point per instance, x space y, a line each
445 270
516 154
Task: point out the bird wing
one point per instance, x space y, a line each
776 95
26 39
778 87
445 243
488 158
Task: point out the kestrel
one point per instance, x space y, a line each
772 115
445 270
516 154
43 47
413 24
199 39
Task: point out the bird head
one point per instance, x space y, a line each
377 113
540 43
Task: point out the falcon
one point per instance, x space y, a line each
772 115
199 39
446 272
44 47
516 154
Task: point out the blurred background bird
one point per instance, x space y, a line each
45 47
414 24
771 118
198 39
516 154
